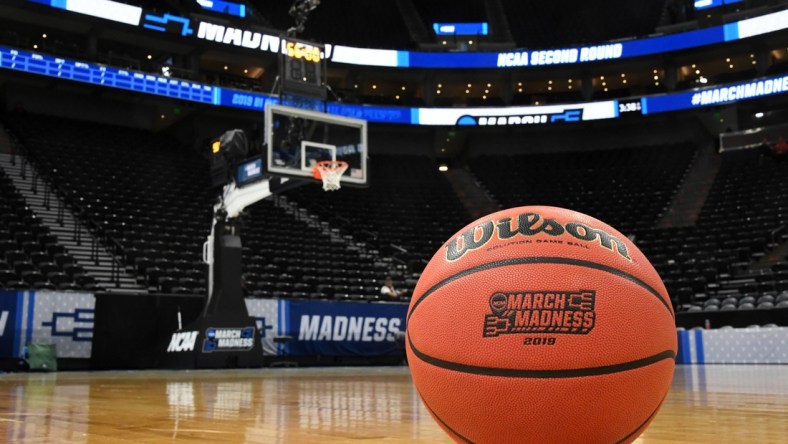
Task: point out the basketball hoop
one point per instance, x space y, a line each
330 171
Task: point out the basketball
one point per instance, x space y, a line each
541 324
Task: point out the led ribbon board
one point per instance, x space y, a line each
260 41
106 76
708 4
55 67
460 28
716 95
223 7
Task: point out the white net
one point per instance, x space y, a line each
331 174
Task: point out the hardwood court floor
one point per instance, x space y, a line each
707 404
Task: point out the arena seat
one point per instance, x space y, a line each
151 197
627 188
28 251
714 257
407 212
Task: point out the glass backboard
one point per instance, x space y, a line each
296 139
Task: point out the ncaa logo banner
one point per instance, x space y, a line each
345 328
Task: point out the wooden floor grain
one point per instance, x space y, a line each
707 404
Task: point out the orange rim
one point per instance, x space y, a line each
328 165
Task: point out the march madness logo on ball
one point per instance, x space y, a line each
570 312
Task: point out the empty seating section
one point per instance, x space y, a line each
446 11
408 211
142 194
531 24
148 200
285 256
30 256
627 188
554 25
727 260
345 23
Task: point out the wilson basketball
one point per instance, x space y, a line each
541 324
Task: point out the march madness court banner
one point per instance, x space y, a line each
344 328
12 332
64 319
312 327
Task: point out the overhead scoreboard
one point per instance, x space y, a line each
302 68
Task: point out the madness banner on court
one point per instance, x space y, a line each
344 328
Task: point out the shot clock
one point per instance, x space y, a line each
302 68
